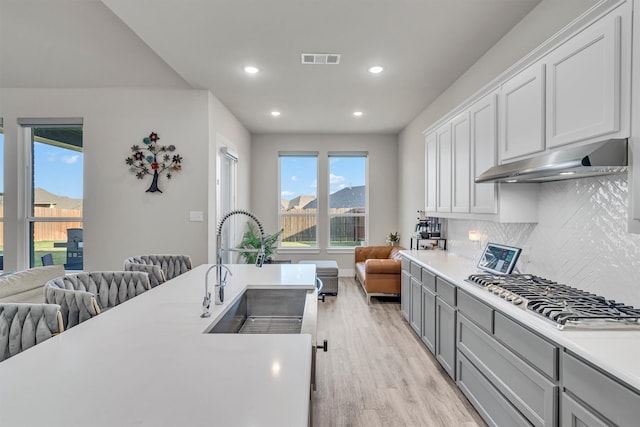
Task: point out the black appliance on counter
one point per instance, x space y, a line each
428 227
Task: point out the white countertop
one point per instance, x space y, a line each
146 362
613 350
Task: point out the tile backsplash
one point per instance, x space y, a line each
581 238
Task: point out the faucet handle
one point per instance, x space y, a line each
260 259
206 304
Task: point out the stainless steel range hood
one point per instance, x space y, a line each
600 158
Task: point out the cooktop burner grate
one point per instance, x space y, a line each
556 302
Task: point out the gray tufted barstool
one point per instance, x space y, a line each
84 295
23 325
160 267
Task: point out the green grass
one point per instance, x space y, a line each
46 246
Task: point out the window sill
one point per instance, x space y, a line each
348 250
298 250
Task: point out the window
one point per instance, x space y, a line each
54 192
347 199
298 200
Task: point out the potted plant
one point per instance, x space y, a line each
393 238
251 240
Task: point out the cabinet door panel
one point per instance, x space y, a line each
405 294
461 151
484 146
529 391
522 107
575 415
429 319
446 336
538 351
583 85
491 405
416 305
431 172
443 184
621 405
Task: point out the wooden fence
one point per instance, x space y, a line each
56 231
303 228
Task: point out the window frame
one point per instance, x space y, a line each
26 126
2 190
338 248
307 249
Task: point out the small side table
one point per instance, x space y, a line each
327 271
441 242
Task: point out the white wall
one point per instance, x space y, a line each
580 239
120 218
540 24
383 183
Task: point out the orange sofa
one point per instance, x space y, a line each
378 269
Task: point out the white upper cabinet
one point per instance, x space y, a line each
484 143
583 84
443 182
522 113
431 173
461 162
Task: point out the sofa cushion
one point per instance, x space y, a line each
28 285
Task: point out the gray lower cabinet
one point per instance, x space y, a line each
530 392
429 318
492 406
415 316
446 336
604 399
405 293
575 414
512 375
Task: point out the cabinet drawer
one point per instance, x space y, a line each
446 291
490 404
529 345
604 394
429 279
526 389
416 271
476 311
574 414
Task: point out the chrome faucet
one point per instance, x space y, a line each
221 281
218 289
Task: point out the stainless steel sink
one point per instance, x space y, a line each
273 311
270 311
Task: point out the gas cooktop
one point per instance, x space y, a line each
558 303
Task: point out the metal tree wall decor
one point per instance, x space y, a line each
157 162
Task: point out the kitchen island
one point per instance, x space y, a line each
147 362
516 367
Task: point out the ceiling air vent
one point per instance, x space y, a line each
320 58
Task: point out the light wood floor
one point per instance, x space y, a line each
377 372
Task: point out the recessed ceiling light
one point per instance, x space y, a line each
512 180
376 69
357 113
251 70
568 173
275 113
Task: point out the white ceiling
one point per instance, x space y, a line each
424 46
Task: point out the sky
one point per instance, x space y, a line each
299 175
57 170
